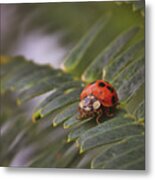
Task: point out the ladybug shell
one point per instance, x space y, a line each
103 91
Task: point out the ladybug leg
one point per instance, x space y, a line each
108 112
81 114
98 118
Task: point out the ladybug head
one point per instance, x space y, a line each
90 103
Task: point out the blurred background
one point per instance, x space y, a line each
46 32
21 37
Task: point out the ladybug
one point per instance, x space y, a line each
98 99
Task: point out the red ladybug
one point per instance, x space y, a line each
97 99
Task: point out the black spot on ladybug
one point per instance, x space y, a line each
113 100
101 84
110 89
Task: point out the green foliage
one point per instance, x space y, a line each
111 50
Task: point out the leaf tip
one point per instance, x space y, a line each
63 67
87 79
54 124
36 116
141 121
131 116
83 77
77 143
65 126
68 140
81 150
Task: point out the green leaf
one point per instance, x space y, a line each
136 100
121 155
77 131
94 71
32 77
139 5
59 102
73 121
23 71
10 64
57 92
77 53
45 85
65 114
140 110
68 156
121 61
109 132
130 78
